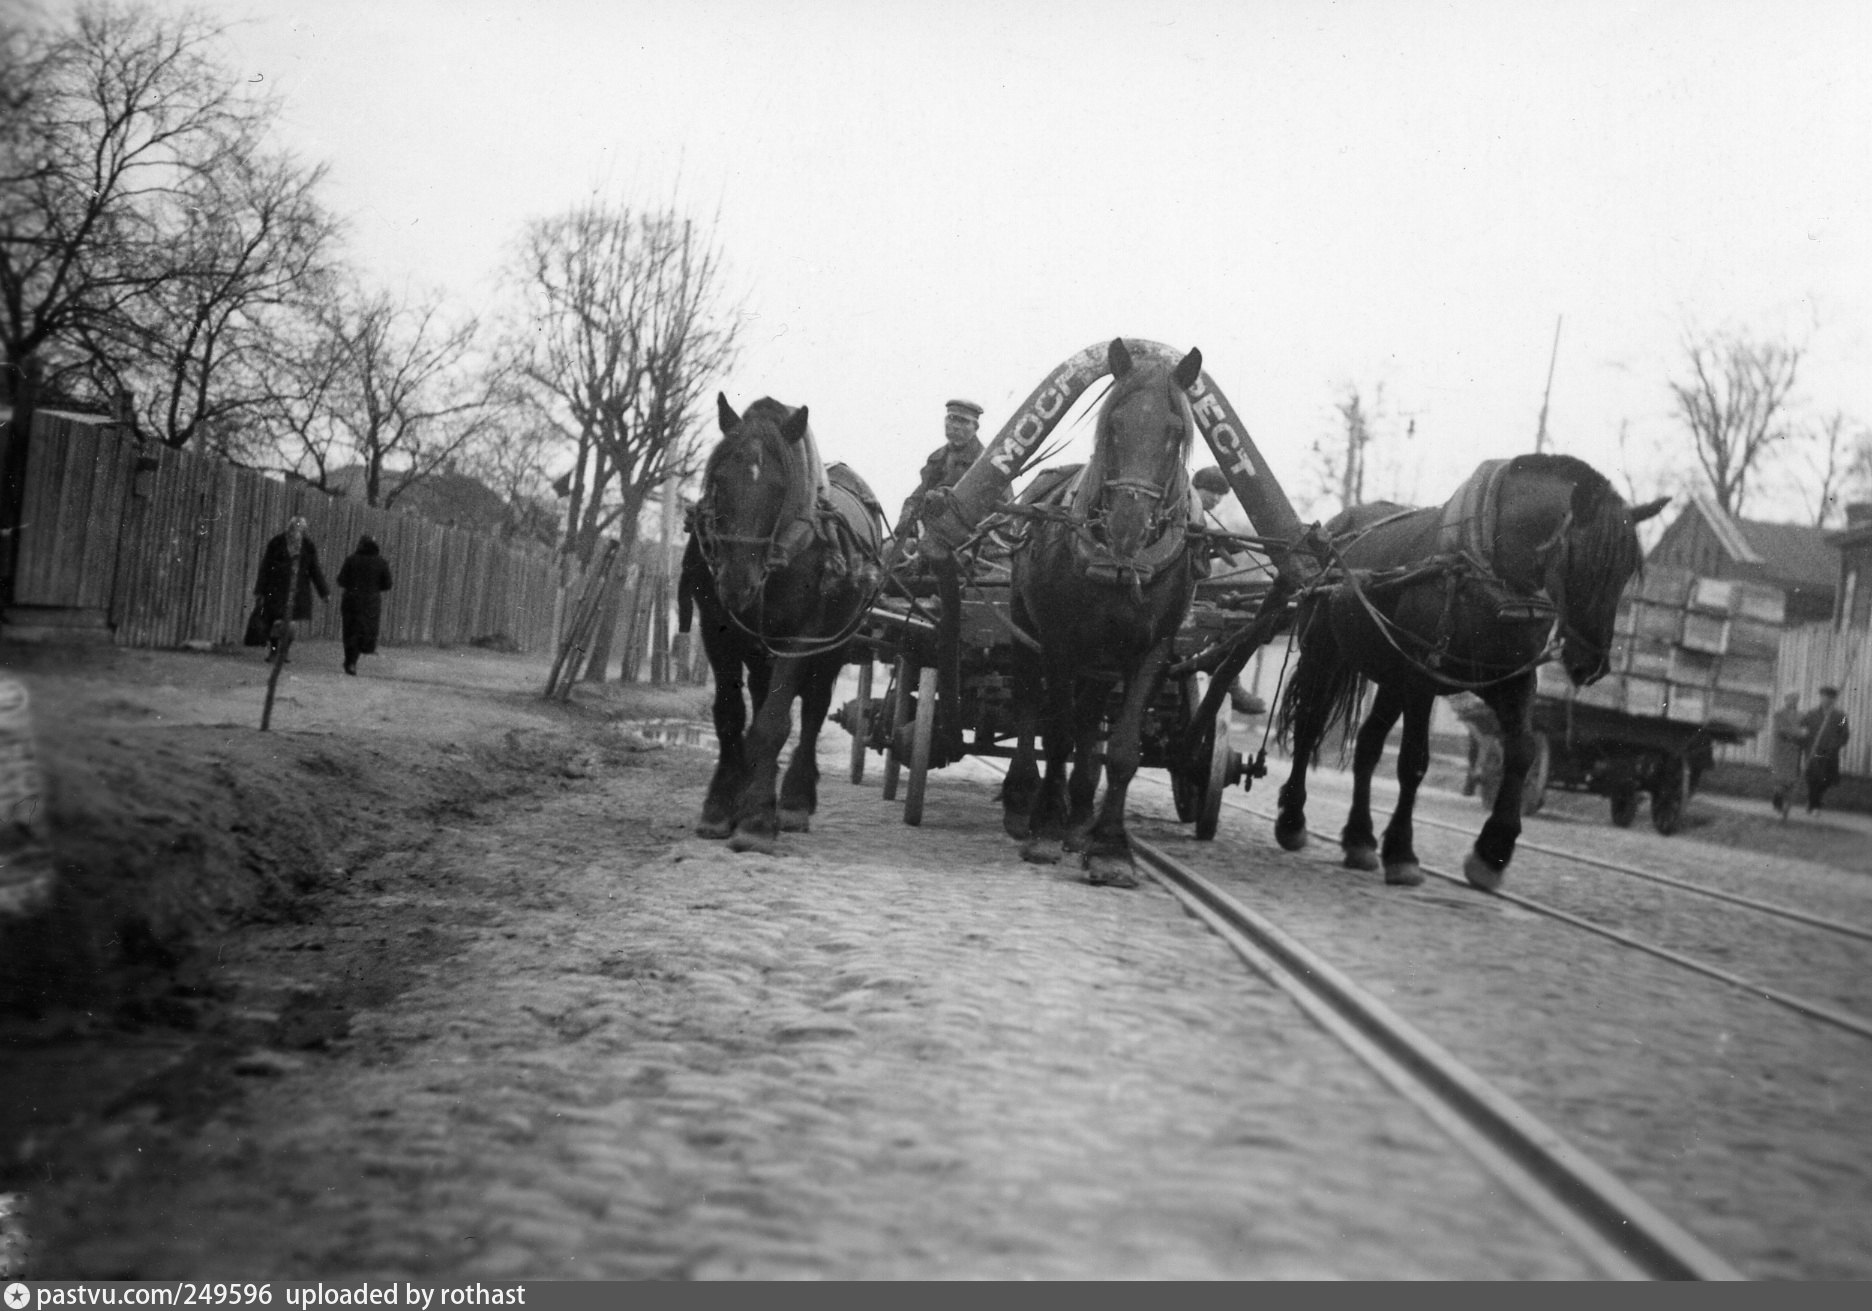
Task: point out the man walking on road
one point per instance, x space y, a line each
1826 735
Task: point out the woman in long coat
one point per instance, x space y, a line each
365 577
1784 756
289 571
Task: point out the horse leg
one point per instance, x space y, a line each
757 817
799 789
1361 847
1020 789
1108 859
1309 701
1400 857
1487 862
730 713
1088 710
1047 824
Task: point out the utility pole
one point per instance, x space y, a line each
1540 433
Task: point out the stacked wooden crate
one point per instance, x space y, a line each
1695 650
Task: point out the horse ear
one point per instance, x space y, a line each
1642 512
1118 358
795 426
725 412
1189 369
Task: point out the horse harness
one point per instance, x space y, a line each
820 510
1466 538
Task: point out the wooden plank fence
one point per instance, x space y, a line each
1815 656
167 553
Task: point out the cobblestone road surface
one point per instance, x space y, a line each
883 1053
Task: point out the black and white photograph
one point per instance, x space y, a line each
840 641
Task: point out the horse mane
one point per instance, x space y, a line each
1604 546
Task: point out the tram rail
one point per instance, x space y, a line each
1624 1235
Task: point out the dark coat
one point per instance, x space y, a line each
276 583
365 577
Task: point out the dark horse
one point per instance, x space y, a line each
1473 596
782 564
1101 582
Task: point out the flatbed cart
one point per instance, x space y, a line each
1611 753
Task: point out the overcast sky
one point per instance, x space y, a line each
926 200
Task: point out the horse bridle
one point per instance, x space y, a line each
792 532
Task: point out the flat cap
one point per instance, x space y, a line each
1829 691
1210 480
967 409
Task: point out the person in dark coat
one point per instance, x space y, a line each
289 571
364 578
1826 736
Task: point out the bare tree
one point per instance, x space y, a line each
1342 466
107 120
385 384
1734 403
252 241
1834 460
622 331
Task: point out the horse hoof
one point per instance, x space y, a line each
714 828
1403 874
1016 826
1111 872
1294 839
1365 858
759 843
795 821
1038 851
1482 874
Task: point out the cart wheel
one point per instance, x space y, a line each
900 688
1186 783
1533 787
860 725
1624 807
1210 811
1667 799
920 746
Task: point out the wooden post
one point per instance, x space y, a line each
282 644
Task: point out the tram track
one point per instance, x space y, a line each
1623 1235
1831 1015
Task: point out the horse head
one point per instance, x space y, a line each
1587 564
751 487
1141 446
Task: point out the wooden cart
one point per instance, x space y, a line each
917 727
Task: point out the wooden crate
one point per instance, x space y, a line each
1705 632
1658 622
1646 696
1754 675
1692 668
1760 603
1689 705
1713 594
1754 639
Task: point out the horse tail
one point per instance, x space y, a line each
1322 677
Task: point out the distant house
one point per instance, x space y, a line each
1854 544
1804 562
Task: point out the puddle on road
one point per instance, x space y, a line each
673 732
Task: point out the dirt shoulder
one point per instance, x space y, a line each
175 822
